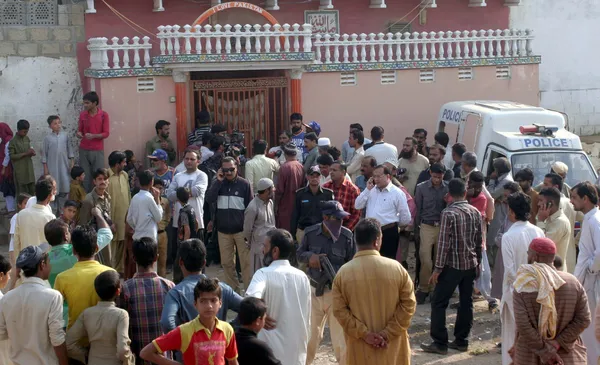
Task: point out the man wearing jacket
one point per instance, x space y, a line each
232 194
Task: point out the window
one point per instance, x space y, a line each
427 76
34 13
146 85
348 79
399 27
465 73
579 166
503 72
489 161
388 77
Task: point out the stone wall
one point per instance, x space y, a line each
48 41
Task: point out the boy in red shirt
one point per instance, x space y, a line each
203 341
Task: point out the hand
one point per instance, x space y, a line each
402 178
96 212
220 175
370 184
470 193
89 136
493 175
555 344
386 340
270 323
164 145
433 280
209 226
247 243
478 271
31 152
155 193
543 212
374 340
46 170
2 170
314 262
79 134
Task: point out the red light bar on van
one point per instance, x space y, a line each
538 129
528 129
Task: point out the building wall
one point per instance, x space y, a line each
569 78
407 104
133 115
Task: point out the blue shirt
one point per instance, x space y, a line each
179 305
361 182
299 142
348 152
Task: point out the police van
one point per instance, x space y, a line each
528 136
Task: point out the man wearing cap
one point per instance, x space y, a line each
561 169
259 218
436 154
356 141
386 203
413 162
290 179
31 316
551 311
307 206
161 141
333 241
162 170
312 150
260 166
323 143
515 244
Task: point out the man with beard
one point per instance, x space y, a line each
442 138
525 179
458 150
515 244
367 166
380 149
286 291
330 240
420 135
347 149
561 169
498 179
119 192
437 154
585 200
259 218
162 171
298 132
161 141
290 179
551 311
345 192
413 162
277 151
468 164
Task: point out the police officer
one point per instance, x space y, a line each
328 239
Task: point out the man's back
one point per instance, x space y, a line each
286 291
251 350
29 230
260 167
31 317
382 151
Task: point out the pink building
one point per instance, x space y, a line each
251 64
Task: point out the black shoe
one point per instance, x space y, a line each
455 305
492 306
421 296
434 348
454 346
499 345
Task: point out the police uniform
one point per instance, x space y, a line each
316 241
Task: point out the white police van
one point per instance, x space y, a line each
528 136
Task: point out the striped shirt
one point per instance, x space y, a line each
195 138
460 239
143 298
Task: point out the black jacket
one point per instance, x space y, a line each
307 209
252 351
232 198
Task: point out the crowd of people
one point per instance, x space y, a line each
307 234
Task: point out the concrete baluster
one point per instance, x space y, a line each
507 43
161 35
227 28
296 28
307 37
277 35
441 45
346 53
318 48
372 47
415 39
136 52
458 50
466 40
433 42
217 36
326 36
146 43
424 45
169 31
498 51
286 37
398 42
176 45
528 46
363 47
126 53
248 37
188 42
115 51
407 46
198 36
482 46
474 49
208 38
449 38
238 38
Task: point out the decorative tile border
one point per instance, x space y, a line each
372 66
128 72
233 57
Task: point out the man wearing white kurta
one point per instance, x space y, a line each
585 198
515 244
286 290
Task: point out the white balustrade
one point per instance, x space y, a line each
425 46
236 39
100 47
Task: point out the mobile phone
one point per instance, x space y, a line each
548 205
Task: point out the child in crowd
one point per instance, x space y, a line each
132 168
478 200
201 339
57 159
21 204
187 226
105 327
77 191
163 240
61 256
69 213
144 295
21 153
5 268
253 313
77 284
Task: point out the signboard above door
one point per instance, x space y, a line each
323 21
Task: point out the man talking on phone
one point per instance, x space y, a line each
557 226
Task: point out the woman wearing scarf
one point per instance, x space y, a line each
7 184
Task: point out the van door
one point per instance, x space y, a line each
491 153
451 129
468 130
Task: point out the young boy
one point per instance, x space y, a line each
163 240
5 267
144 295
57 159
21 152
76 284
187 226
104 325
21 204
204 340
77 192
61 255
253 313
69 213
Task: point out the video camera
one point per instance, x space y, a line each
234 144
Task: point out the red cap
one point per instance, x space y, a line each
543 245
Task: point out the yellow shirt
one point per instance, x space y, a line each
77 287
118 189
372 293
413 169
558 228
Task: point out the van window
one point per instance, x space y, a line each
490 167
579 166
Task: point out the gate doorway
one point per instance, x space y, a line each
255 103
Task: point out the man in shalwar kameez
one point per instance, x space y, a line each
585 198
515 244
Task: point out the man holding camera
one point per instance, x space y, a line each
326 243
